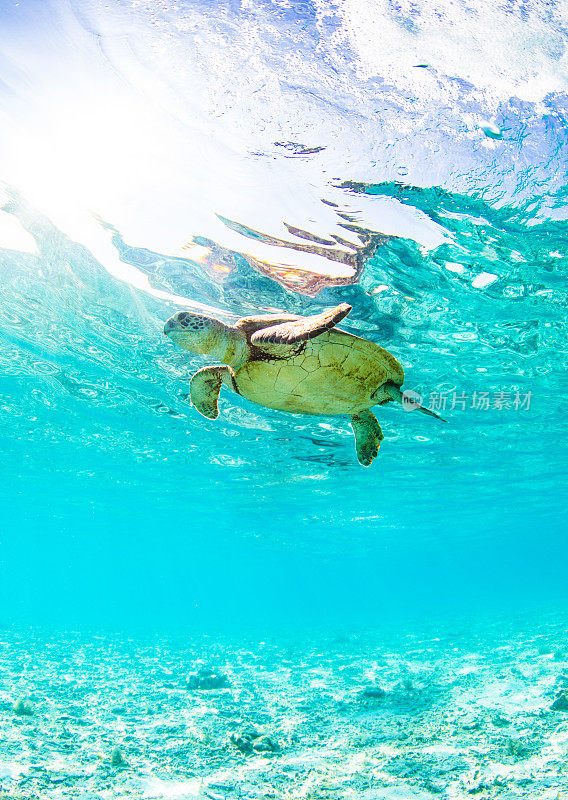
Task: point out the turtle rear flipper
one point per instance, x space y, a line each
301 329
368 436
205 387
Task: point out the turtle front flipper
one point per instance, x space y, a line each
302 328
368 436
205 387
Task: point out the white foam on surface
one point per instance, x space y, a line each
483 279
14 237
484 43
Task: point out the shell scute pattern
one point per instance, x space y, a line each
329 375
310 363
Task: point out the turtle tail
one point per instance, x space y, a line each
410 402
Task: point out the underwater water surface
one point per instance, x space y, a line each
236 607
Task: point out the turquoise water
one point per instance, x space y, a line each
252 158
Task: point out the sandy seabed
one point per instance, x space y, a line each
452 713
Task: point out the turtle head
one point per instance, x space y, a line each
200 334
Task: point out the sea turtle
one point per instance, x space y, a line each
300 364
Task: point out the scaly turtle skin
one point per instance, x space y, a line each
300 364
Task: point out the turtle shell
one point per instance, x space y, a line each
334 373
